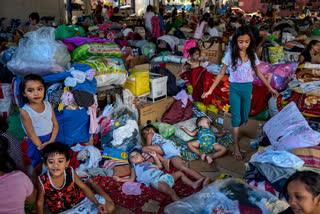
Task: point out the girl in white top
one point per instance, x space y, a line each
211 28
38 118
202 26
147 17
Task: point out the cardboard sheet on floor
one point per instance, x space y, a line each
230 163
201 166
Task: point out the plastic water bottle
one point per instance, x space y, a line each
254 143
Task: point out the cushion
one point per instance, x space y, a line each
276 75
289 130
190 125
166 130
310 156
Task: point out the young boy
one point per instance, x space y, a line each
63 190
206 141
149 174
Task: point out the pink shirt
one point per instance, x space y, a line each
15 187
199 30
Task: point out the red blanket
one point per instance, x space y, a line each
201 80
136 202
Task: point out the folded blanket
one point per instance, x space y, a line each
308 75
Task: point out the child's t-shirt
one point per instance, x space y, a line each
243 72
63 198
146 172
15 187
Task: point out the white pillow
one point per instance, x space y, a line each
190 125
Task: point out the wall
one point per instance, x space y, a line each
21 9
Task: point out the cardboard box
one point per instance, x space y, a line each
175 69
248 129
158 86
137 60
213 52
154 111
143 67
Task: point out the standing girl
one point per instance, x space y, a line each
38 118
241 60
202 26
302 191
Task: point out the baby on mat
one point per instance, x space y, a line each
206 141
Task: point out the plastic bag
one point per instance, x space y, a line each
276 55
124 133
109 71
226 196
138 82
67 31
6 107
83 52
39 53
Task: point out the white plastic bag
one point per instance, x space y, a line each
39 53
6 107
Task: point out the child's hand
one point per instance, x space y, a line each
274 92
102 209
109 206
153 154
116 178
182 127
43 145
205 95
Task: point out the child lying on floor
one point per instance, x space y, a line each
149 174
206 142
166 148
62 189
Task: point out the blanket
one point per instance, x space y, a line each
308 105
136 202
201 80
308 75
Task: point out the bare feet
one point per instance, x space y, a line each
166 164
197 183
236 152
209 159
203 157
206 182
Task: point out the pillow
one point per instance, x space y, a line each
289 130
190 125
166 130
276 75
310 156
